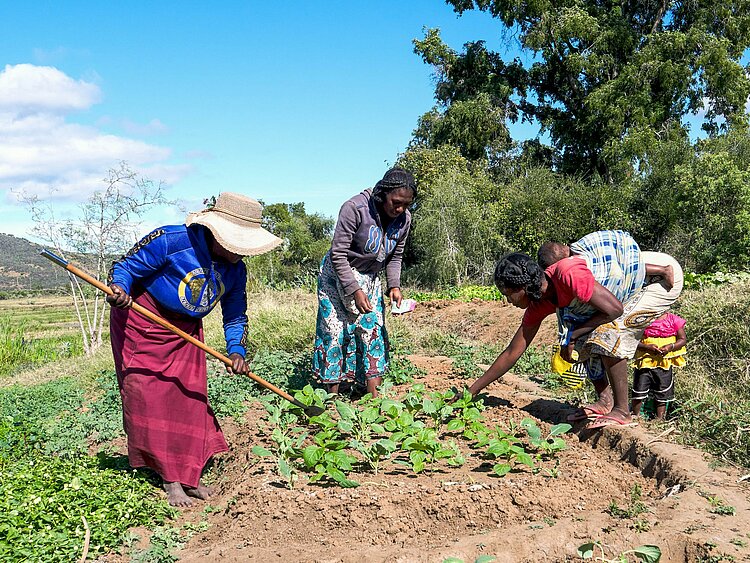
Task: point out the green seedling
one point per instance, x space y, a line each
438 408
467 417
645 553
360 424
505 448
425 448
403 426
287 439
547 445
413 399
310 396
327 456
634 508
718 506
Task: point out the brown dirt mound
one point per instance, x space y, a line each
489 322
468 512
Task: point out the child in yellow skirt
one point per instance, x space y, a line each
661 349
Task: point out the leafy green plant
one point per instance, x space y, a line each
424 449
401 370
505 448
287 440
43 500
327 456
438 408
549 444
467 416
462 293
360 424
645 553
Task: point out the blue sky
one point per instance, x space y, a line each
293 101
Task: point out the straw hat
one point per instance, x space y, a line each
235 221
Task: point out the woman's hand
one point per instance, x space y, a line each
395 295
362 302
239 365
120 299
566 352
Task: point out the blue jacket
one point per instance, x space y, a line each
174 265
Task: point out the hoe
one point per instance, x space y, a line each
310 410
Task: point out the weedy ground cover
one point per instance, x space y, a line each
22 347
51 491
713 389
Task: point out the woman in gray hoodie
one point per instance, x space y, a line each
351 343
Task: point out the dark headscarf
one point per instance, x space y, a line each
394 179
520 271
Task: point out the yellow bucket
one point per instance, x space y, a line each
573 374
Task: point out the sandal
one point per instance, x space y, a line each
591 412
605 420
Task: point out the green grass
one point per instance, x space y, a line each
462 293
713 389
19 350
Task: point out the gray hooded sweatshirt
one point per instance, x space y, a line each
359 242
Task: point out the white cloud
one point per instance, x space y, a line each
42 152
29 88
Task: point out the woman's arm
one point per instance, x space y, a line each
608 306
507 359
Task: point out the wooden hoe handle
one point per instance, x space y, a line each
169 326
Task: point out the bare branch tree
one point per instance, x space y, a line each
106 226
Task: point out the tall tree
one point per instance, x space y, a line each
307 238
606 78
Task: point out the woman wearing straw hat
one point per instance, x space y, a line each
181 272
351 343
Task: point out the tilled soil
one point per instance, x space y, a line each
467 512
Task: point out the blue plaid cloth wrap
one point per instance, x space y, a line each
614 258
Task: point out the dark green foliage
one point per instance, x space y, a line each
605 78
57 418
307 237
43 499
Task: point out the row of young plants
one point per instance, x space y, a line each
419 432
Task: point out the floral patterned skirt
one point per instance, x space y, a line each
349 345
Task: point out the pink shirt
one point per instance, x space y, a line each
664 327
571 279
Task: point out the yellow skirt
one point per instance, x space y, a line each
648 360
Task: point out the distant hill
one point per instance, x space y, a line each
22 268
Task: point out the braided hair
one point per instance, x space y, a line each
520 271
396 178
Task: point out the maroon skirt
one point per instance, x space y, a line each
169 425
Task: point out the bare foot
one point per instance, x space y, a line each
617 414
602 406
201 491
176 495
